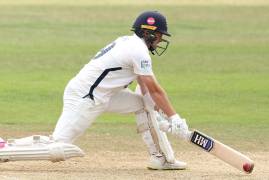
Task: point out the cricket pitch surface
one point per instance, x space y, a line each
124 157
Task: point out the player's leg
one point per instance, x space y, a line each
164 144
37 148
77 115
73 123
127 101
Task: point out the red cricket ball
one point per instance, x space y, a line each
248 167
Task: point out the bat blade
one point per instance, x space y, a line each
222 151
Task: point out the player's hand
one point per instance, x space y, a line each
176 126
179 127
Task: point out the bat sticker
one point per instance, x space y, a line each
202 141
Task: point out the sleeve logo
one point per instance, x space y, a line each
145 64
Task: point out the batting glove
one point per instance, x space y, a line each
177 126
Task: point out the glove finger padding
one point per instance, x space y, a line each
175 125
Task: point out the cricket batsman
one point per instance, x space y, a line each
102 86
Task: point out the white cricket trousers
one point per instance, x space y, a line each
79 113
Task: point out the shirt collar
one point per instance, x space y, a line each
141 40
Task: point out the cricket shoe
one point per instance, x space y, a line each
160 163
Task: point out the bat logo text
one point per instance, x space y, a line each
202 141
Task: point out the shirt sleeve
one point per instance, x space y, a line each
142 64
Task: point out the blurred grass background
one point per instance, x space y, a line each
216 70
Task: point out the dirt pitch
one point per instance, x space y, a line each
110 156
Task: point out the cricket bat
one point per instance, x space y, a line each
222 151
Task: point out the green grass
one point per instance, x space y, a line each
216 70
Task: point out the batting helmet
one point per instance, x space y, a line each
151 21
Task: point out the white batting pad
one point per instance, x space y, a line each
38 148
163 140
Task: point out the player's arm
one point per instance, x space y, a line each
141 62
142 86
176 125
148 83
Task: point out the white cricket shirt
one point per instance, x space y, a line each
114 67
